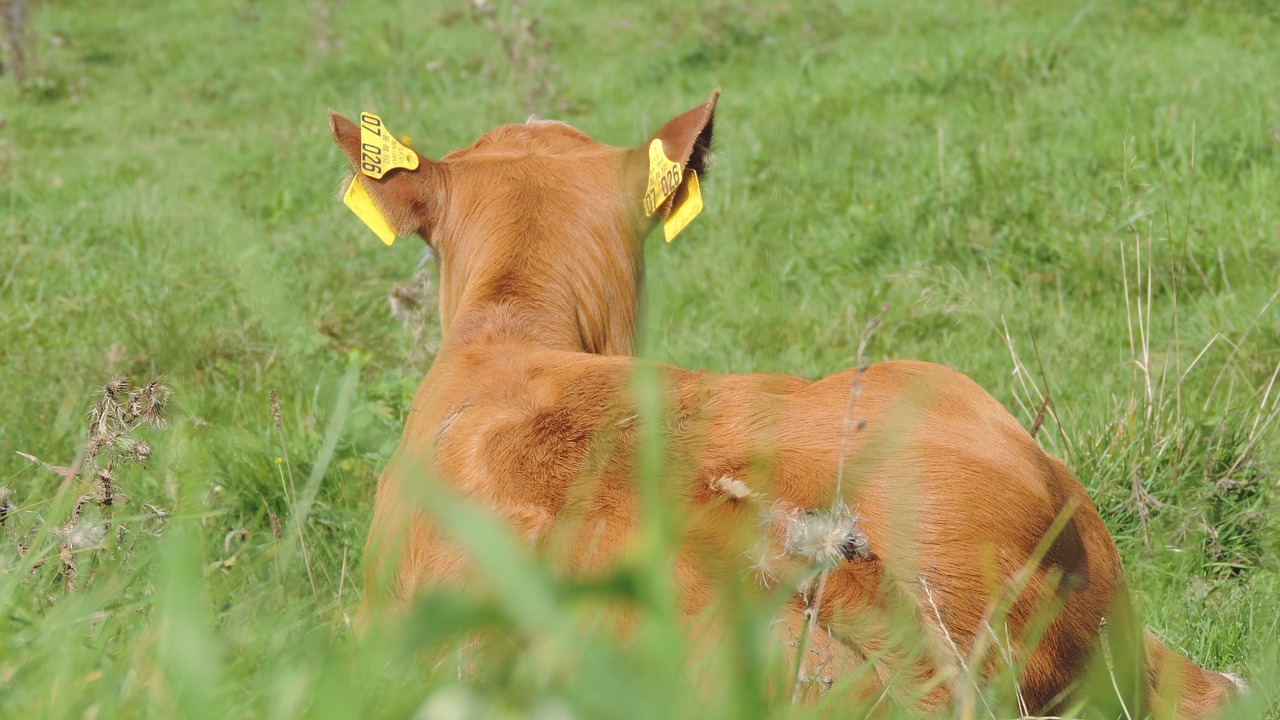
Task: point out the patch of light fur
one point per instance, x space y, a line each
730 486
449 420
825 537
1242 686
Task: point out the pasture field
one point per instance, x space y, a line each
1078 199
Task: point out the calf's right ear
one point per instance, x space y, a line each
409 199
687 138
686 141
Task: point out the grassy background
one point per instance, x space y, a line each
1065 197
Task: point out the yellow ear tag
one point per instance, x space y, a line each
684 213
380 152
357 198
664 178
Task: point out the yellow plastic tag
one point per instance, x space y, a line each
664 178
684 213
380 152
357 198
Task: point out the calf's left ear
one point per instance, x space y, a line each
409 198
686 141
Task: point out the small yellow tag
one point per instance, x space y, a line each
684 213
380 152
664 178
357 198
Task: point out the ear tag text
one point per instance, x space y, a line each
357 198
380 152
687 209
664 178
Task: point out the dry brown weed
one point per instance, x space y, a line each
111 443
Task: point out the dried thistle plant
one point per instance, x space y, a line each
13 41
414 304
525 52
110 444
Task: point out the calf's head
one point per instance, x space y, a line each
538 228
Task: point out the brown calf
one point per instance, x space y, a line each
907 483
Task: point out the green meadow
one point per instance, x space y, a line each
1075 203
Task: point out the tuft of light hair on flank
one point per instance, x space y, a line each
731 486
816 540
825 537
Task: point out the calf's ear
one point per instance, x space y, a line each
408 198
686 141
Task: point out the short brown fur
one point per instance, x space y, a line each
527 411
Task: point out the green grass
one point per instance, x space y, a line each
989 169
